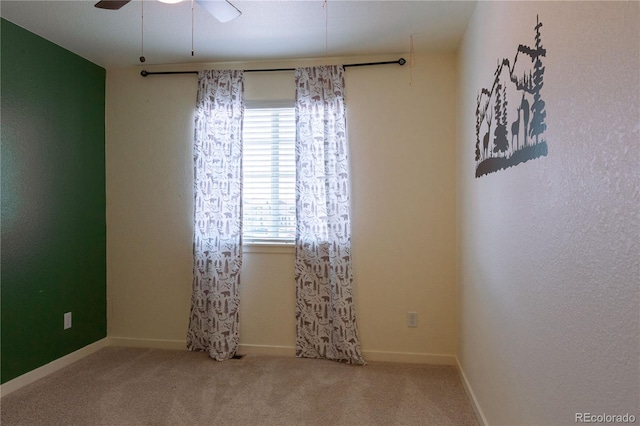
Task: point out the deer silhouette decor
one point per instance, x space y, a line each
515 131
485 140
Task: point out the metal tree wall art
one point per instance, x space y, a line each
510 117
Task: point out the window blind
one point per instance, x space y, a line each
269 204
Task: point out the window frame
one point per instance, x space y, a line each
278 247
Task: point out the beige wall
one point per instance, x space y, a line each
403 201
549 249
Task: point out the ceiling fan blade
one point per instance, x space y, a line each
111 4
222 10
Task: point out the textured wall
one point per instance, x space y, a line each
403 201
550 248
53 201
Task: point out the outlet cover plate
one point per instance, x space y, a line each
412 319
67 320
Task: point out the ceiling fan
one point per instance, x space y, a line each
222 10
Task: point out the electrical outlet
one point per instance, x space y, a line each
67 320
412 319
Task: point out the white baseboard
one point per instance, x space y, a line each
267 350
148 343
380 356
40 372
409 357
275 350
182 345
474 402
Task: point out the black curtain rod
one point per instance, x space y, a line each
400 61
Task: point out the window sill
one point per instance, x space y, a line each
272 248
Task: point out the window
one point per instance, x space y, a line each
269 201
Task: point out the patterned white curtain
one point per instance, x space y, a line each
217 246
326 321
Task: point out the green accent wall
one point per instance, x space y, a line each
53 247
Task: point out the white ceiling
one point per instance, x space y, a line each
267 29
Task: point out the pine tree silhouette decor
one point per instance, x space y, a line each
505 146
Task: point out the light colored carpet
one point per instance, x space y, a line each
127 386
